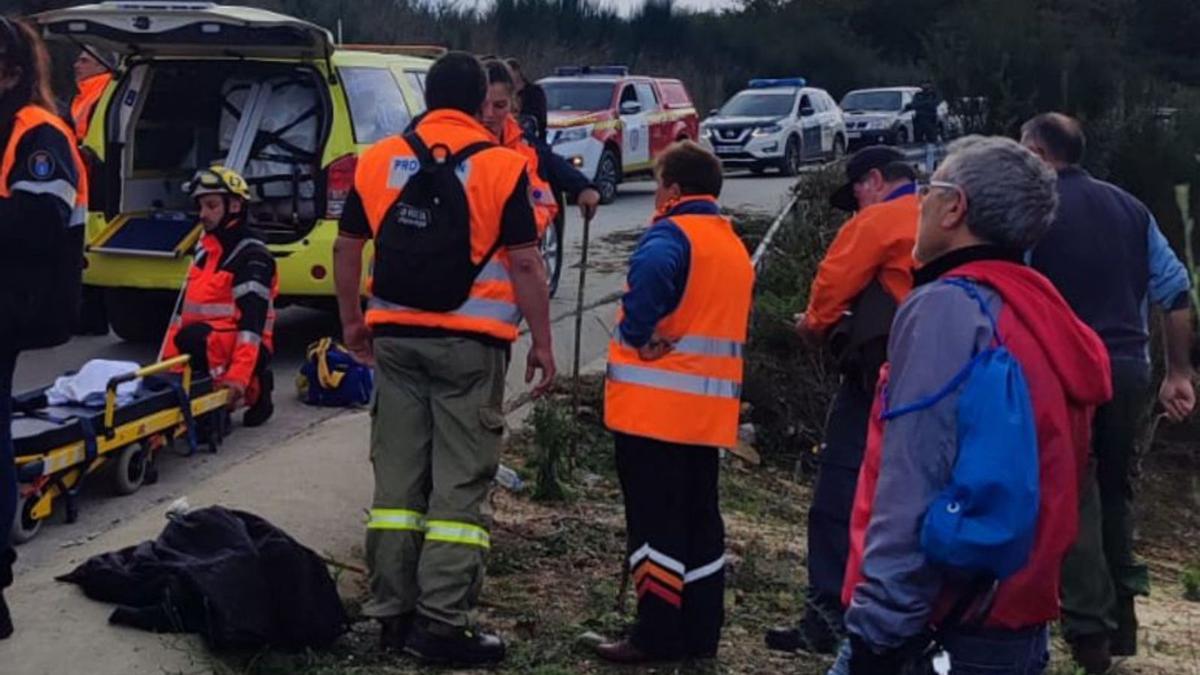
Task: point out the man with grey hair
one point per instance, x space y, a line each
1107 257
986 205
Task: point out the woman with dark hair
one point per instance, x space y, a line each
546 167
43 192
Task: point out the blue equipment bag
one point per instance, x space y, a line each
330 377
984 521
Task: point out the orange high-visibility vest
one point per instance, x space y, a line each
211 298
489 178
75 196
84 104
544 206
691 396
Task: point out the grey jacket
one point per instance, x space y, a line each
936 332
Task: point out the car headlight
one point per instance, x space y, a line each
768 130
573 134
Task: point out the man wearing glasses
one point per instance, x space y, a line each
863 277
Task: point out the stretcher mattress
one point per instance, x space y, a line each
34 435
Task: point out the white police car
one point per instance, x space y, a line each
778 123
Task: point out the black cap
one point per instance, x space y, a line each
860 164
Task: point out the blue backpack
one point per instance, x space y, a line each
330 377
984 521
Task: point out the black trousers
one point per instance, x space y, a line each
833 498
676 545
8 470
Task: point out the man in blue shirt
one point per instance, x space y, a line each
1110 261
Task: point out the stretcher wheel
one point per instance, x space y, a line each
25 527
130 471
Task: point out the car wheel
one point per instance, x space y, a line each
902 136
25 527
608 174
138 315
790 165
839 148
130 469
552 251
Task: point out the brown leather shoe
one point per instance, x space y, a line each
623 651
1092 653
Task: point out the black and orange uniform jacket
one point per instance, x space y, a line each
43 205
231 288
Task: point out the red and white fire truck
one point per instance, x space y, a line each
611 125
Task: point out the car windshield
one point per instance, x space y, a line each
586 96
758 105
874 101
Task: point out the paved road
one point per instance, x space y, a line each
614 232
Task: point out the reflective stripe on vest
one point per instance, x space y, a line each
473 308
249 337
679 382
494 270
454 532
210 310
690 395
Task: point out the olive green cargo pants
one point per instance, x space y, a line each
436 425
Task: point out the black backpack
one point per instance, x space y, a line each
423 251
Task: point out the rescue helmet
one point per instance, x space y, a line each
217 180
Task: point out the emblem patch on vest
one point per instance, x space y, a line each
41 165
403 168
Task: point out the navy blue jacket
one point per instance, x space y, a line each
1108 258
658 273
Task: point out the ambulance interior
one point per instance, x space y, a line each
268 121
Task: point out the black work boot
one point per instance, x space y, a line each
1092 653
394 632
816 634
438 643
1123 641
7 558
258 414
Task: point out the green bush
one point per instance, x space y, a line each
1191 583
789 385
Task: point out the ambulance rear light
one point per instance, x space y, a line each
766 83
339 180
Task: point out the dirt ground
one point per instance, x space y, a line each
555 569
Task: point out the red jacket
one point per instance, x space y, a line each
1067 370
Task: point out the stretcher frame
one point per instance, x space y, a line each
45 477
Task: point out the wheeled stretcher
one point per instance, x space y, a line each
57 447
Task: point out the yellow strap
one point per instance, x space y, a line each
454 532
320 350
396 519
